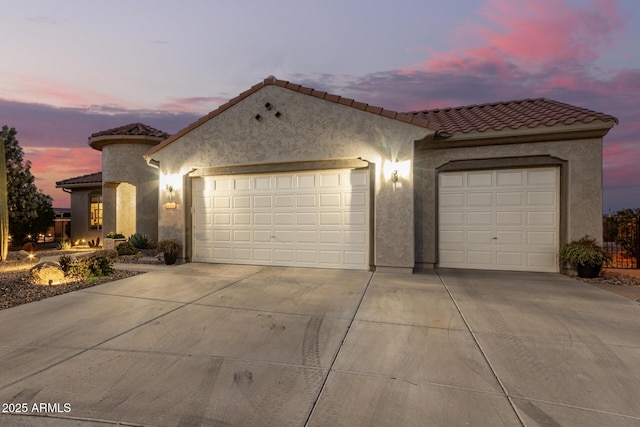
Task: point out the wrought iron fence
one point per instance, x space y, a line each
622 240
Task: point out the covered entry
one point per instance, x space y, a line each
310 219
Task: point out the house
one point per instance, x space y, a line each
287 175
123 197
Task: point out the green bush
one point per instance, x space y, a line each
126 248
141 241
584 252
95 266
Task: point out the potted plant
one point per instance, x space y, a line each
112 240
586 255
170 249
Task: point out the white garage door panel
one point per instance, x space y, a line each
499 219
312 219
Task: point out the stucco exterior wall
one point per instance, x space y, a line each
308 129
581 186
126 209
123 162
80 215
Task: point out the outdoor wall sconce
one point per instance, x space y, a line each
171 204
397 171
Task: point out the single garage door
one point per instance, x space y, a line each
308 219
499 219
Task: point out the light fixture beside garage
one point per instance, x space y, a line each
396 170
172 183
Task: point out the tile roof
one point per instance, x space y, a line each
92 178
133 129
403 117
496 116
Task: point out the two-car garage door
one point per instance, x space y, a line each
504 219
308 219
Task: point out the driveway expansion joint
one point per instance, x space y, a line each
335 357
484 354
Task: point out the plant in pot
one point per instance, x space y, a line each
170 249
586 255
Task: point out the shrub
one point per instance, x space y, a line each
65 263
141 241
170 246
126 248
95 266
627 236
584 252
107 253
63 244
113 235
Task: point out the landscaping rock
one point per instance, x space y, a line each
30 247
47 273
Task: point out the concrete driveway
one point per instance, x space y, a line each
220 345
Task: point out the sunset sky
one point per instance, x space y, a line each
72 68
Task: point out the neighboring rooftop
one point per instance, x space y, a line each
496 116
81 181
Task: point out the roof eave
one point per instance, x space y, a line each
542 133
79 185
272 81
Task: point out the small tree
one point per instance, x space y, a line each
30 210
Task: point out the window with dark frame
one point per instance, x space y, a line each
95 212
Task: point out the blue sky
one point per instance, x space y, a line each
75 67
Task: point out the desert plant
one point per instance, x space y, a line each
95 266
63 244
65 263
169 246
141 241
126 248
113 235
107 253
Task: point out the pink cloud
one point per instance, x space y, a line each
52 164
29 88
200 104
534 34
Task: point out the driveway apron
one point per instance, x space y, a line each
212 344
566 353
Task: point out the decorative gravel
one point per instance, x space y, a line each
17 287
